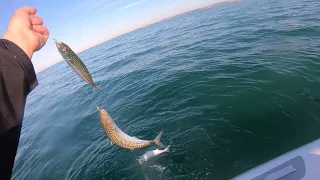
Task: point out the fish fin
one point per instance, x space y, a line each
157 140
167 148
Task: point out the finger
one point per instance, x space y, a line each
36 20
40 29
43 40
43 35
29 10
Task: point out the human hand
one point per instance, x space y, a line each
27 31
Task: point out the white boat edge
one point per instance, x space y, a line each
302 163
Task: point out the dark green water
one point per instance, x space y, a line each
221 83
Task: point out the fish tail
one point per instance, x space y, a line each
167 148
157 140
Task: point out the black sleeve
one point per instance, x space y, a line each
17 80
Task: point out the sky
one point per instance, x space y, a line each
85 23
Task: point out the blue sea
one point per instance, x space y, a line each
220 82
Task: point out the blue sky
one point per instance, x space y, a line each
85 23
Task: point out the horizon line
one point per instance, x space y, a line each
143 26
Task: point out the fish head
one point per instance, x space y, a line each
104 115
63 49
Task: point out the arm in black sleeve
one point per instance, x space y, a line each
17 80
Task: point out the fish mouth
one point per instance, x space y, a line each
58 43
102 111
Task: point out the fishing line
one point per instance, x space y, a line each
11 6
87 92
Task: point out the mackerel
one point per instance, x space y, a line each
120 138
75 62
